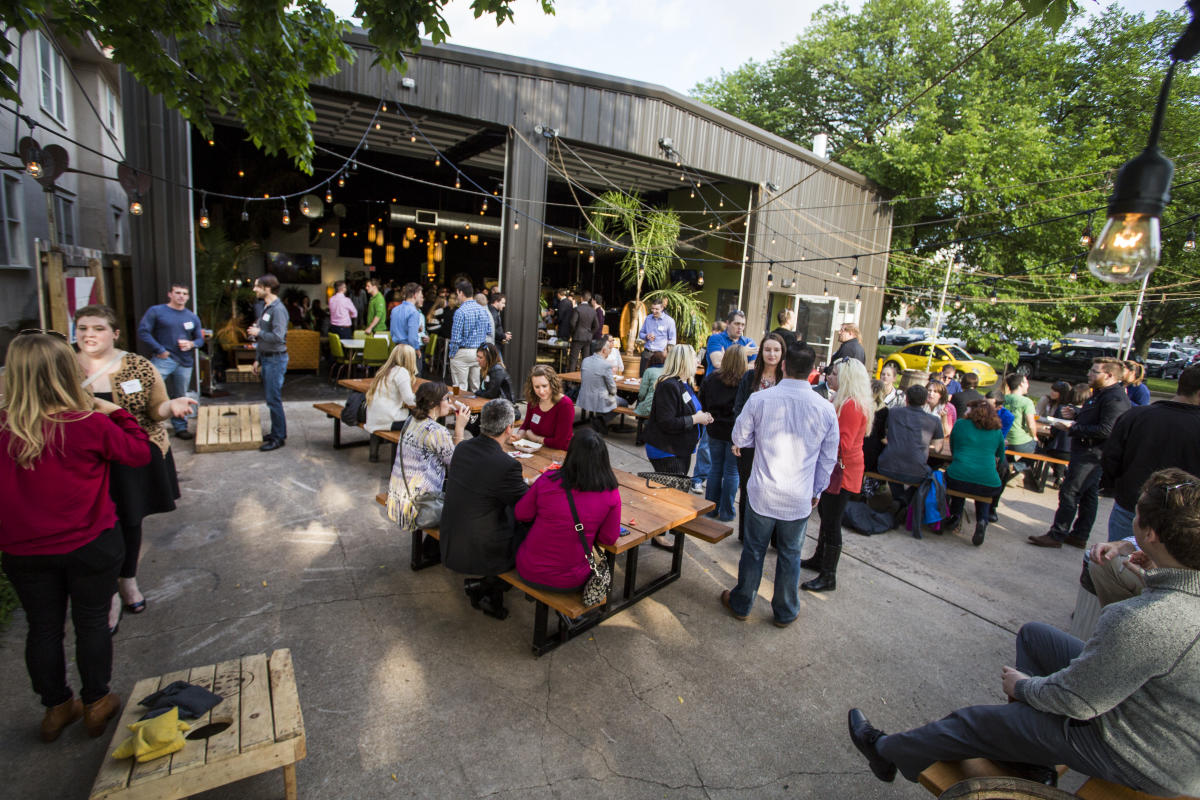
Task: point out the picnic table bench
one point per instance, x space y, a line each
334 411
256 728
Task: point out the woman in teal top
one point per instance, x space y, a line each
977 442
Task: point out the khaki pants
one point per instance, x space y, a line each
1115 580
464 369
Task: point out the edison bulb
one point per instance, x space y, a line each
1127 250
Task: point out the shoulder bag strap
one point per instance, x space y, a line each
400 452
106 369
578 525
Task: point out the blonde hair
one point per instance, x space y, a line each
402 355
853 384
43 380
681 363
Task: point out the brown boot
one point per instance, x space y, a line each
59 717
96 715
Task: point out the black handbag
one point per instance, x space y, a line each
595 590
669 479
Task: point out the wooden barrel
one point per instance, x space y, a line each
913 376
1005 788
633 365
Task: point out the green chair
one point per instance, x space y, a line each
375 352
338 357
361 333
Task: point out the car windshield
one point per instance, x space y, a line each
958 354
1161 355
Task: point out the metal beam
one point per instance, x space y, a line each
521 259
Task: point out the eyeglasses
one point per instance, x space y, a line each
47 332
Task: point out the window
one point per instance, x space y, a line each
112 109
959 354
53 89
118 216
12 58
64 219
12 238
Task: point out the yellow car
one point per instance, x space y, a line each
916 356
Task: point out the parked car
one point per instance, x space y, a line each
1167 363
916 356
1070 362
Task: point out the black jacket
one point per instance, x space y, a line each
718 400
1149 438
851 348
482 486
670 427
585 323
964 399
1096 419
789 337
496 384
563 314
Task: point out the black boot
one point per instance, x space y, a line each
980 530
951 524
474 590
826 581
814 561
492 604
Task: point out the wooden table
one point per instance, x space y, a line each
623 384
475 404
256 728
646 511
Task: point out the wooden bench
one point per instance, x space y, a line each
706 529
938 778
952 492
1043 462
258 727
334 412
569 604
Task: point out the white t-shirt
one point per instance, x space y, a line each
388 404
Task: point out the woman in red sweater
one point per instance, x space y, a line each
853 402
60 537
549 414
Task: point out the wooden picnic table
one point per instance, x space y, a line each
475 404
623 384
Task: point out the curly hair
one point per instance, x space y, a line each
543 371
984 415
1169 505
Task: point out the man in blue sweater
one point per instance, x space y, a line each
172 331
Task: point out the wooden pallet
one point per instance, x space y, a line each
258 727
224 428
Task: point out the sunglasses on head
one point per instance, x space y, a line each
1168 489
47 332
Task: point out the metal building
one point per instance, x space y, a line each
780 211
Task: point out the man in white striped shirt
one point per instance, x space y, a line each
795 433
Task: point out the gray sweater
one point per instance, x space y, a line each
272 329
1138 678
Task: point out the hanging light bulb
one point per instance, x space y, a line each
1128 248
516 226
437 161
957 301
837 270
328 195
1087 238
700 278
993 299
457 183
770 278
1189 244
246 211
412 137
385 108
341 180
287 217
693 194
591 256
549 243
827 289
854 274
721 202
858 295
483 206
204 220
33 159
1074 276
135 207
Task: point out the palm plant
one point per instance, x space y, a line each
648 257
218 263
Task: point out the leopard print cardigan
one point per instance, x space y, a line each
144 403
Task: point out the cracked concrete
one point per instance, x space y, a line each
671 699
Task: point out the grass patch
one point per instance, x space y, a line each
8 601
1161 385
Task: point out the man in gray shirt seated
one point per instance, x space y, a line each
597 387
1124 706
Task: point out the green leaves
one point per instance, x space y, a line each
253 59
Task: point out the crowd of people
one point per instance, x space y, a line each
773 437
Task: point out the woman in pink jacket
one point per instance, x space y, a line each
551 557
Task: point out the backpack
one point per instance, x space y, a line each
355 410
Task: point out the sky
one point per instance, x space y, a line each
672 43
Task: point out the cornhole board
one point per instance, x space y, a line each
224 428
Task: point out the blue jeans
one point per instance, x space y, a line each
789 535
1120 523
722 478
273 367
703 460
176 377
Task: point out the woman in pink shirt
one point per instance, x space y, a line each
549 414
552 557
60 538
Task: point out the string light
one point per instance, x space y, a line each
457 183
1189 244
437 161
412 137
854 274
245 211
1086 240
135 208
700 278
328 195
204 221
993 299
341 180
483 207
1074 276
827 288
770 278
591 256
957 302
287 217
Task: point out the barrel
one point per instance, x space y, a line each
913 377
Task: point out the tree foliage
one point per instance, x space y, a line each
251 59
1028 129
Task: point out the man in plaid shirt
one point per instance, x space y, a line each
472 323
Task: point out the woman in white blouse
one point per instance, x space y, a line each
391 393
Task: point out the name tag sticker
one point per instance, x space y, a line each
132 386
266 317
536 418
187 326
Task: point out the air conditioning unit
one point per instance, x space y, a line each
427 217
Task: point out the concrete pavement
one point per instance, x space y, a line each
408 692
